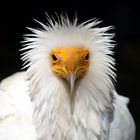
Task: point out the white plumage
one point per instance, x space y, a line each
35 105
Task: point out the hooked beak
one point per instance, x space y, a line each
71 82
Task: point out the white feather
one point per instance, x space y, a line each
16 109
123 127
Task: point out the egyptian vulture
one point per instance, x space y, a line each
67 92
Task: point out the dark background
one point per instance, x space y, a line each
124 16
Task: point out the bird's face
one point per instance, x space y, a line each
70 64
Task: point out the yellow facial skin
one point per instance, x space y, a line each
70 63
67 61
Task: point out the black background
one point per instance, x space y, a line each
123 15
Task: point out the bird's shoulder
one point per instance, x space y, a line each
13 81
122 126
16 109
14 96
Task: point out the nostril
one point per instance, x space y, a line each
66 67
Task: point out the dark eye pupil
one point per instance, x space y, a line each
54 57
87 56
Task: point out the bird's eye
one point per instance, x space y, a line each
54 58
87 56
